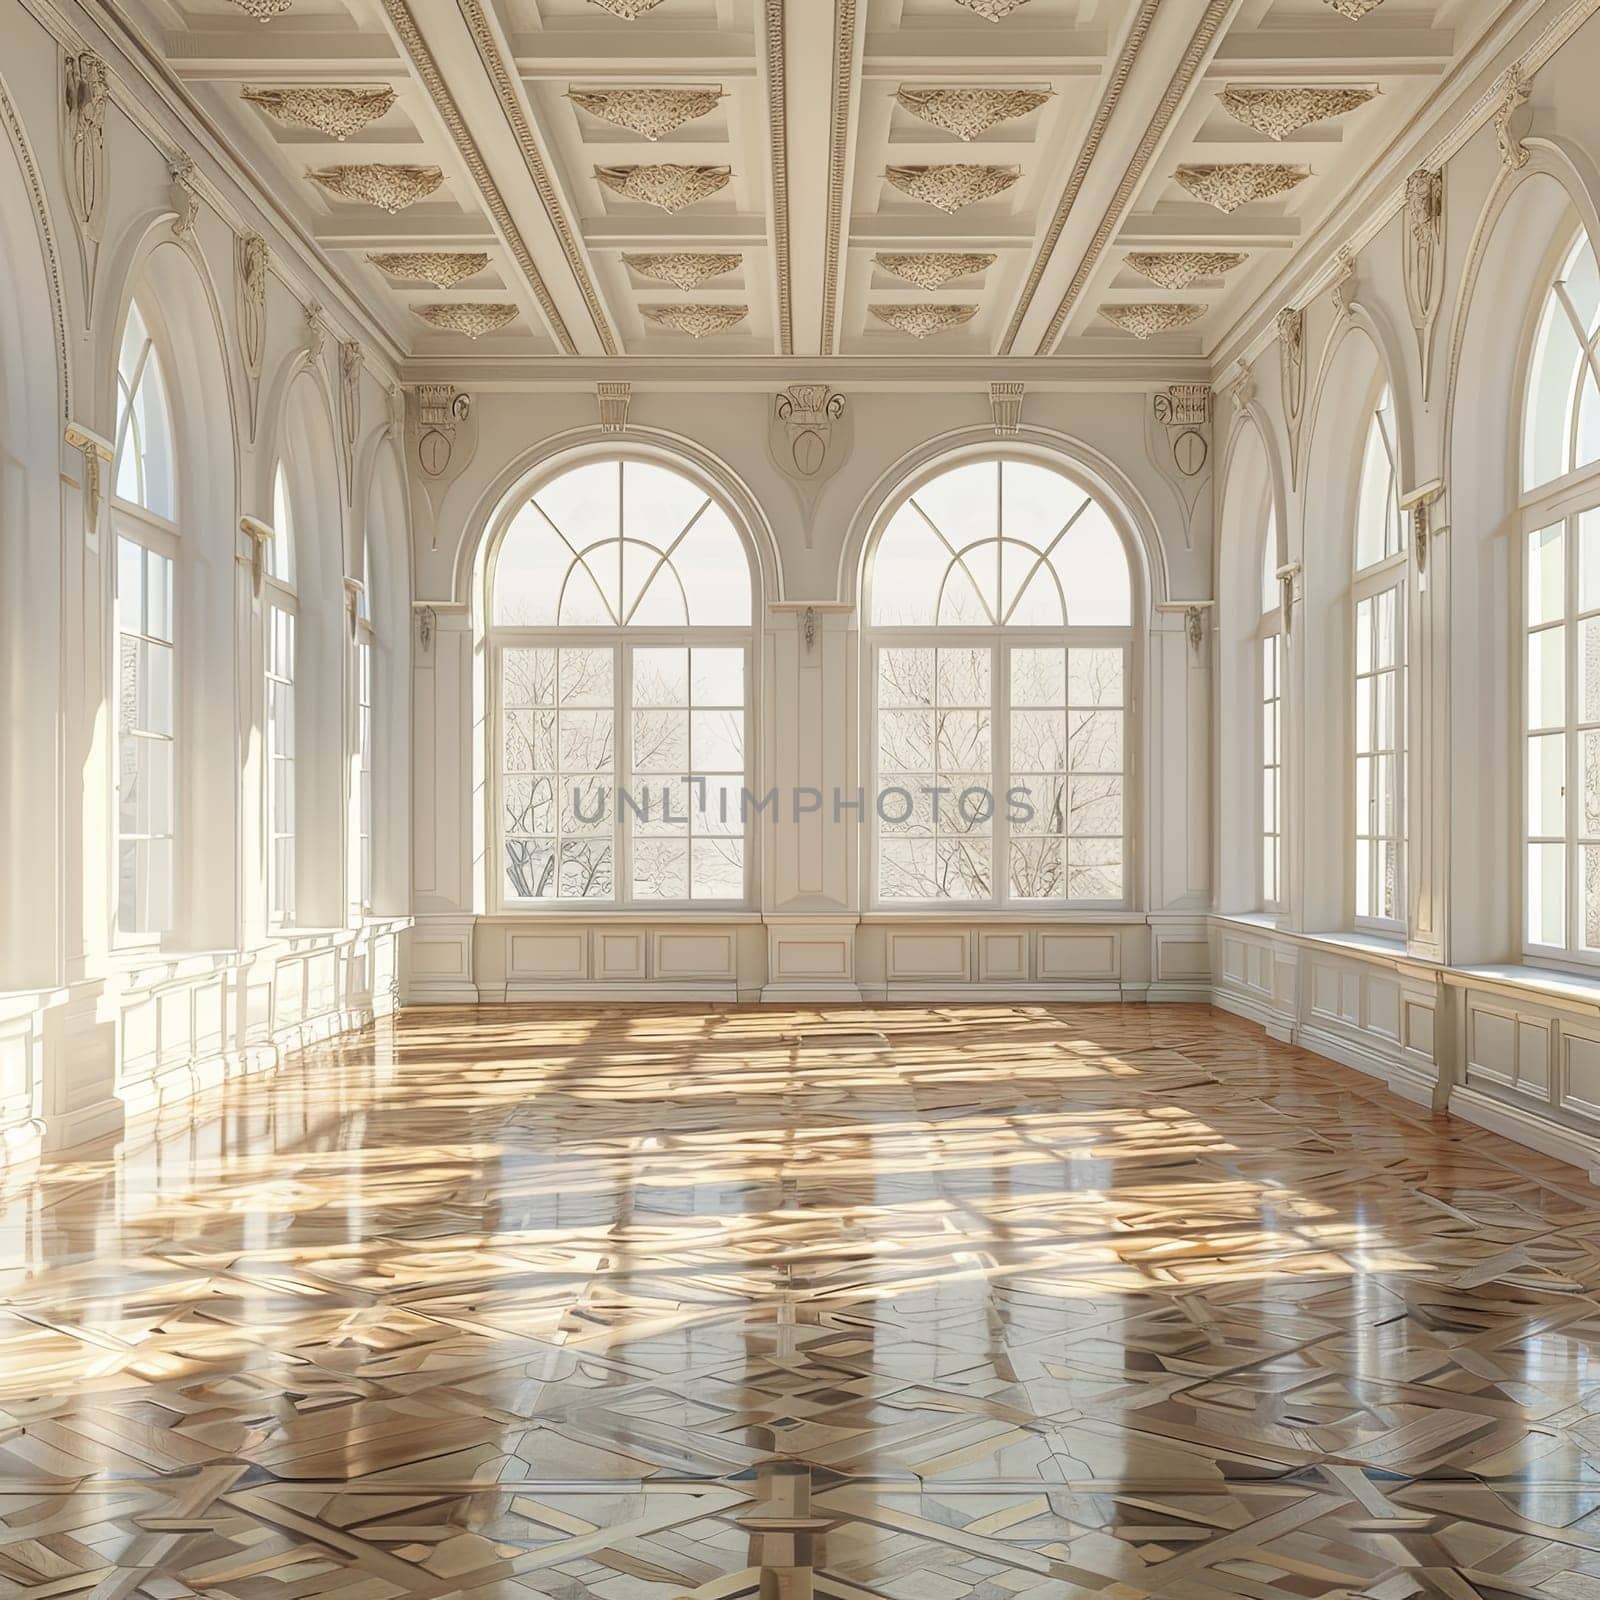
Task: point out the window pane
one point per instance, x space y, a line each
1547 678
1547 778
1547 894
1547 575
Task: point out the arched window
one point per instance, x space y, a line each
1271 634
620 617
362 726
282 620
1000 608
1560 519
144 513
1378 596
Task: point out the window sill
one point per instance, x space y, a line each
619 914
971 914
1545 983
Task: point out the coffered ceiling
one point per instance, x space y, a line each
769 178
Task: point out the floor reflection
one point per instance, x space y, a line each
958 1303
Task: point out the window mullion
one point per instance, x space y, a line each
622 765
1000 770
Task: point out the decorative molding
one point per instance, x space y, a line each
183 194
698 321
427 71
683 269
1422 259
1342 291
1228 185
968 112
1278 110
441 413
923 320
472 318
337 112
778 157
808 437
626 10
1288 579
1183 405
1144 319
952 186
260 536
352 359
650 113
668 186
1193 613
98 454
1355 10
1511 119
444 269
354 589
933 269
840 125
252 262
1292 380
1418 504
316 332
264 10
614 400
1183 411
1182 269
86 93
993 10
1195 55
391 186
1005 408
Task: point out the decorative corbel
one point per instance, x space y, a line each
1342 291
354 589
1194 618
1005 407
1418 504
184 195
427 625
97 451
1288 577
614 400
260 536
1512 119
316 332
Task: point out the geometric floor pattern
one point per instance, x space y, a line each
931 1303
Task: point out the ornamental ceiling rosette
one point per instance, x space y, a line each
650 113
474 320
933 269
627 10
1182 269
1355 10
923 321
392 188
1229 185
968 112
695 320
1280 111
668 187
951 187
683 269
263 10
339 113
992 10
1144 320
444 269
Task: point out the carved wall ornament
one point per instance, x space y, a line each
1279 110
1184 405
98 455
1229 185
86 95
923 321
1178 432
668 187
968 112
441 413
389 186
952 186
444 269
683 269
992 10
1418 505
183 193
264 10
1143 320
260 536
335 111
352 360
933 269
1342 291
614 400
627 10
1422 245
1182 269
251 265
1511 119
650 113
1292 379
1005 408
1355 10
316 332
1242 392
1288 577
803 419
696 320
472 318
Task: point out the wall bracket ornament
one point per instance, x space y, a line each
1279 110
668 186
933 269
1418 505
86 96
354 592
183 194
969 112
251 266
683 269
1145 319
1512 119
1292 378
1229 185
1005 408
923 321
1194 614
391 186
444 269
1288 577
1423 260
614 400
1182 269
809 435
952 186
1342 291
339 113
651 113
260 537
98 454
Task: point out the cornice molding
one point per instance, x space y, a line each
968 112
952 186
668 185
505 88
933 269
427 69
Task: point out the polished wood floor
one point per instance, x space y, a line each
931 1303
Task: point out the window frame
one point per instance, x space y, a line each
1270 636
278 593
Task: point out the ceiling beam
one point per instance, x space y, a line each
1305 55
271 54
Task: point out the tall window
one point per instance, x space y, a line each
143 514
282 617
1000 608
1378 595
1271 644
363 744
620 614
1560 521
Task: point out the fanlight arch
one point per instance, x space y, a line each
1561 416
146 472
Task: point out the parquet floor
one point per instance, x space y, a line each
930 1303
